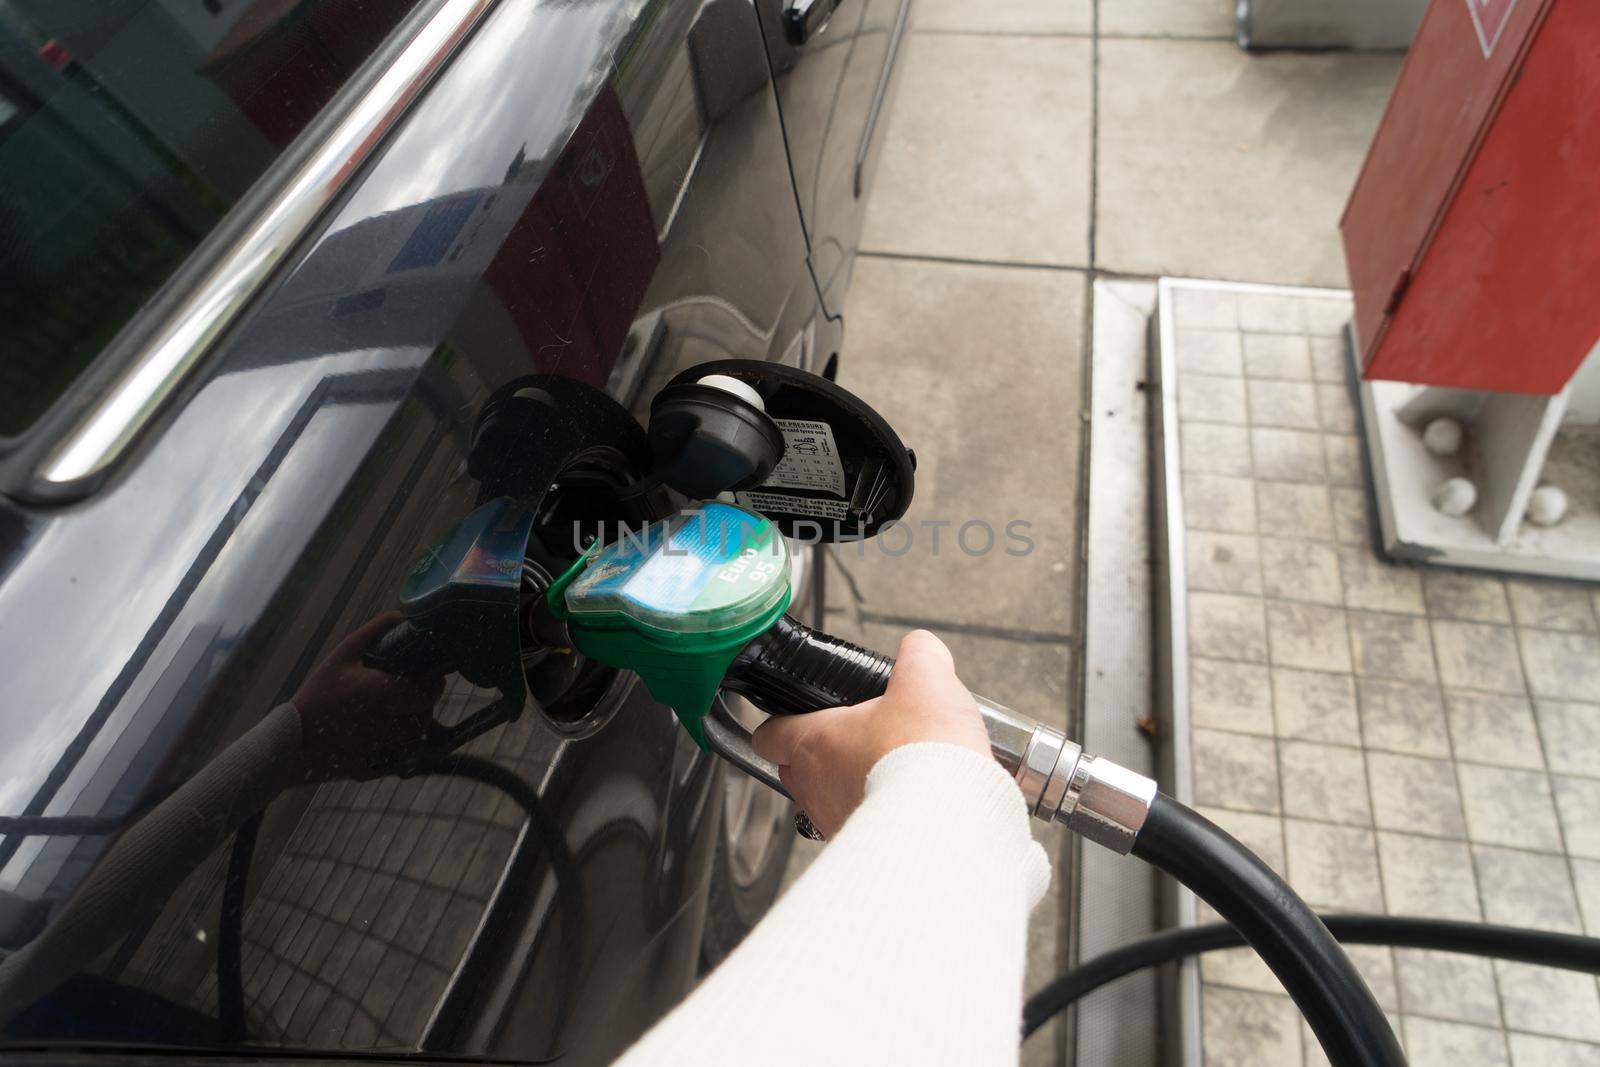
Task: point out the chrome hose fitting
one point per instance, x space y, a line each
1089 795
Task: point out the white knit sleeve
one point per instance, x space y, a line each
903 943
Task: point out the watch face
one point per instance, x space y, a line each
712 567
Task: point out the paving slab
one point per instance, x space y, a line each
1403 747
1216 163
988 153
1012 16
979 370
1162 18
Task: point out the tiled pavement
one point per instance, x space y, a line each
1391 738
1035 145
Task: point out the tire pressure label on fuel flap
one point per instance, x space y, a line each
810 458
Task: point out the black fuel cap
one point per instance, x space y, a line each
808 454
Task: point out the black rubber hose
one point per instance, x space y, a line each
1566 951
1281 927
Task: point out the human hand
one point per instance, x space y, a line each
347 708
823 757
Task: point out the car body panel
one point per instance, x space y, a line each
593 191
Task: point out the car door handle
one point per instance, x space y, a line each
804 19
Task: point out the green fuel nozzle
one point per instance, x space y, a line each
678 601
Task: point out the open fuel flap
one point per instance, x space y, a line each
792 445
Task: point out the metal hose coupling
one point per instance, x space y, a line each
1089 795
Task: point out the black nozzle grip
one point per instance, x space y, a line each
791 669
410 652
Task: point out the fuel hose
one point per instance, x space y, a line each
791 668
1541 947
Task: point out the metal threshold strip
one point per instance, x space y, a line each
189 330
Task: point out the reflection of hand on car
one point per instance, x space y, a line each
347 708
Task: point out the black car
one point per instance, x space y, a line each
288 290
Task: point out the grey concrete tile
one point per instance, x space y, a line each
1544 1000
1219 502
1403 717
1352 525
1168 18
1324 782
1562 666
1239 968
1335 411
1509 807
1235 771
1551 605
1571 735
1328 316
1308 636
1271 313
913 326
1526 889
1477 656
1345 464
1206 308
1392 646
1494 728
1208 351
1300 570
1015 16
1586 880
1412 793
1288 455
1212 448
1315 706
1020 175
1333 866
1034 677
1227 627
1534 1050
1288 405
1223 563
1206 398
1217 164
1329 360
1472 597
1435 1043
1225 695
1373 585
1577 801
1239 1026
1276 355
1289 510
1428 877
1446 985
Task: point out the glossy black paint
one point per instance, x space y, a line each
596 191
